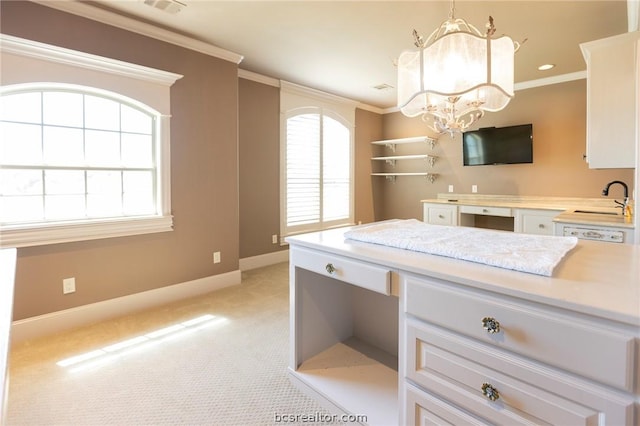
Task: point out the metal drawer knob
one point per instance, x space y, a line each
491 325
490 392
541 226
330 268
441 216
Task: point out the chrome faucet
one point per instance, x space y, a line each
625 203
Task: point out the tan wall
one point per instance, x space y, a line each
204 170
259 168
558 116
368 128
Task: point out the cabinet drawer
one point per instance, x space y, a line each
361 274
535 221
577 345
426 345
467 384
438 214
425 409
489 211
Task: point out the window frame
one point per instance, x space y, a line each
139 84
305 101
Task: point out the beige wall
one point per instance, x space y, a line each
259 168
558 116
368 128
204 175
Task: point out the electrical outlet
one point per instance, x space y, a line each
216 257
68 285
474 188
274 239
450 188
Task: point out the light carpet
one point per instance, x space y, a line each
159 367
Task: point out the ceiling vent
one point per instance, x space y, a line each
169 6
383 86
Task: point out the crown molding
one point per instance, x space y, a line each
61 55
258 78
110 18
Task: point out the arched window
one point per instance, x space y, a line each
317 166
72 153
84 146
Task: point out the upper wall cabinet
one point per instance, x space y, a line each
612 112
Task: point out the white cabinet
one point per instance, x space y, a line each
504 361
612 114
530 221
440 214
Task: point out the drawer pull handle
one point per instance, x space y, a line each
491 325
441 216
490 392
541 226
330 268
485 210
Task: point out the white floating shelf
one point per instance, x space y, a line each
431 177
391 143
392 159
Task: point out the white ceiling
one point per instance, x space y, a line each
348 47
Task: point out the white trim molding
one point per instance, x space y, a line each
259 261
61 55
135 26
55 322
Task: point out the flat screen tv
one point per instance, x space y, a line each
498 145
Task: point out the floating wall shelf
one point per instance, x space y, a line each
431 177
431 159
391 143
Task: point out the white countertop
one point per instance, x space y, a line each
7 275
566 207
594 278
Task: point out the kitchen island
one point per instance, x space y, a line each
391 336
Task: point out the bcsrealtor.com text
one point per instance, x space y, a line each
319 417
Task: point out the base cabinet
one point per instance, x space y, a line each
486 370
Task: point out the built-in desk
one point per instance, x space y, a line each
528 214
394 337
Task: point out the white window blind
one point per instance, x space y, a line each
317 163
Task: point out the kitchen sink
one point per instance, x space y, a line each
595 212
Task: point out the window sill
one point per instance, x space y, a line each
65 232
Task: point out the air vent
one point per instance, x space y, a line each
169 6
383 86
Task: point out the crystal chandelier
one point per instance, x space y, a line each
456 75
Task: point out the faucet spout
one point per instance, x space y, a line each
625 203
605 191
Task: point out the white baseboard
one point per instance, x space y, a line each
259 261
54 322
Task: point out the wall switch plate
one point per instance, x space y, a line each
474 188
216 257
450 188
274 239
68 285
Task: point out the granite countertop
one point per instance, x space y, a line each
568 208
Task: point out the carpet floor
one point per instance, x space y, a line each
218 359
